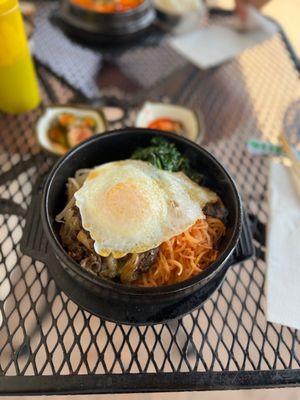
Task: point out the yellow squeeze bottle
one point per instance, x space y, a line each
18 84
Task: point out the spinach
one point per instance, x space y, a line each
164 155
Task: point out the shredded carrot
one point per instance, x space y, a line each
185 255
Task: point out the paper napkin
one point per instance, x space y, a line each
283 249
211 46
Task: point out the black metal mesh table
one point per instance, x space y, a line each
49 345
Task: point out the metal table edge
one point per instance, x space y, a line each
150 382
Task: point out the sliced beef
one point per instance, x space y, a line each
146 259
77 251
80 246
216 210
131 271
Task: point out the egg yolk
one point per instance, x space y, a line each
125 202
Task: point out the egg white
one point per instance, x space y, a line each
131 206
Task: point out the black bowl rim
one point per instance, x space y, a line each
131 11
61 254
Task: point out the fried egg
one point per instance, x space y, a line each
131 206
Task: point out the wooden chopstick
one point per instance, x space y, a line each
296 179
288 150
295 164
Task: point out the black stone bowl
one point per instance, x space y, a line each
118 145
97 27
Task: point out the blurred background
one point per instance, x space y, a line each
286 12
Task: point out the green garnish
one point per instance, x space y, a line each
164 155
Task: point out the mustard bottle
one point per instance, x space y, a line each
18 84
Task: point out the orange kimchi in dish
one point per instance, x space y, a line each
68 130
167 125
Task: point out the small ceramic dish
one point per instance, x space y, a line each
189 123
81 113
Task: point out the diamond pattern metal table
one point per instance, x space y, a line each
49 345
